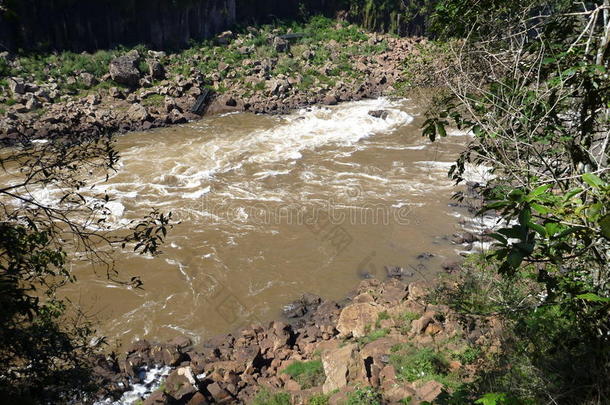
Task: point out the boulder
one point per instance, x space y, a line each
225 38
158 397
124 69
88 79
16 85
330 99
155 69
137 112
356 318
341 366
181 383
280 44
383 114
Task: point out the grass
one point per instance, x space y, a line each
403 322
364 396
307 373
412 364
372 336
155 100
265 397
319 399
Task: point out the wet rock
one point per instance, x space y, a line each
383 114
124 69
356 318
330 99
451 266
425 256
464 237
306 304
397 272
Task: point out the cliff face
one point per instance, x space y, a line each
165 24
87 25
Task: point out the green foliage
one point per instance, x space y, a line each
319 399
412 363
265 397
307 373
372 336
364 396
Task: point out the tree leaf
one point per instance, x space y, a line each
593 180
604 223
592 297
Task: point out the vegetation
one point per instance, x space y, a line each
307 373
532 87
364 396
265 397
46 343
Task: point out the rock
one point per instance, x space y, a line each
356 318
429 391
304 305
16 85
219 394
137 112
397 272
181 383
158 397
330 99
383 114
341 366
419 325
225 38
93 99
198 399
280 44
425 256
155 69
32 104
451 266
88 79
116 93
124 69
175 117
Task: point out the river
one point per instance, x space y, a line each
269 208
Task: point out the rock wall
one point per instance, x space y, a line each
166 24
98 24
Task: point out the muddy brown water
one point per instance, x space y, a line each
271 207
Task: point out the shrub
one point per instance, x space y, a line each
364 396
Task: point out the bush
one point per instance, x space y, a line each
364 396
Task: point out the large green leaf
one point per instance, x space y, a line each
593 180
604 223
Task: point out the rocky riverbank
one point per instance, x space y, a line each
386 341
262 70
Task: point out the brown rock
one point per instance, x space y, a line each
181 383
419 325
429 391
355 318
198 399
341 366
220 395
157 398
